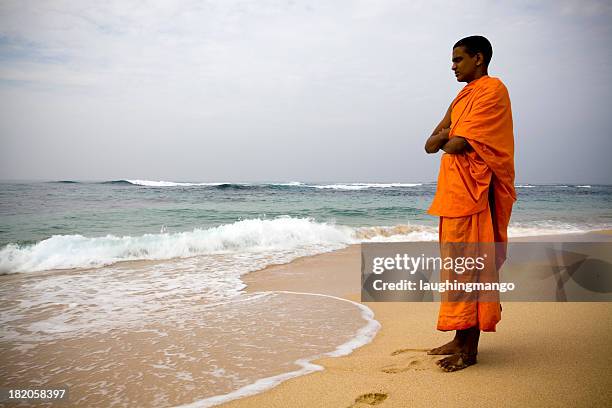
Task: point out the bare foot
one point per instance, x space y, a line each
457 362
452 347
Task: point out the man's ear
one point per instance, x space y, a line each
479 59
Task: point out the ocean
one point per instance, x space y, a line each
100 279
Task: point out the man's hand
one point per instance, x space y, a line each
443 133
437 140
457 145
439 136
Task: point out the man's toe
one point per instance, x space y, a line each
442 363
452 368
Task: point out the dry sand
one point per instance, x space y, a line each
542 355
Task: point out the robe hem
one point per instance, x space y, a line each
454 327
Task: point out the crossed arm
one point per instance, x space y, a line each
439 138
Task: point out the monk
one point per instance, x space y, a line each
475 191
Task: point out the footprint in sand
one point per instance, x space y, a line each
409 350
417 360
373 398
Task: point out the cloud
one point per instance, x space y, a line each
329 78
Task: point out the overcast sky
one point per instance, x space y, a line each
291 90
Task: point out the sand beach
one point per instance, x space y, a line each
544 354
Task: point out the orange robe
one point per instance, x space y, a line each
475 191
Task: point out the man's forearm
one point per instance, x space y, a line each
435 142
439 136
456 145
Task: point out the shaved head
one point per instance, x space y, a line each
476 44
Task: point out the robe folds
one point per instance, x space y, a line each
475 192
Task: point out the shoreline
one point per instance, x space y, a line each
388 346
393 360
364 336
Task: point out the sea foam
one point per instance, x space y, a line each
305 236
73 251
249 237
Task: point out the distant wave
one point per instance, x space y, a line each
116 182
362 186
291 184
236 186
150 183
552 185
220 185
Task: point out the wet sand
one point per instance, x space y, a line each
543 354
145 334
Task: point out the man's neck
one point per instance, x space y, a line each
478 75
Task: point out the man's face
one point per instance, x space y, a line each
464 65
